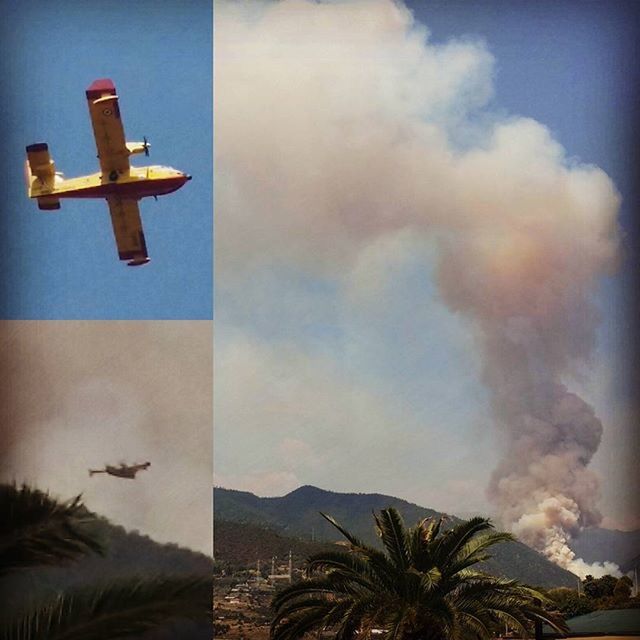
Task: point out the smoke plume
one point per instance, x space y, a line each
341 124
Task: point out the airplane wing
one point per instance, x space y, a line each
127 228
107 128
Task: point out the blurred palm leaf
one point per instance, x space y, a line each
118 610
38 530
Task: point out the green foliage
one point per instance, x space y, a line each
422 584
570 603
599 587
623 588
607 592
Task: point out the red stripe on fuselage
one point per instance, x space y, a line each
133 190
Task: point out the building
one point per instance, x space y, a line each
604 624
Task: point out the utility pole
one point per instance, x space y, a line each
290 567
538 624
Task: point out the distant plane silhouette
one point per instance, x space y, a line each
123 470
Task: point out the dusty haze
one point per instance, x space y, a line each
81 394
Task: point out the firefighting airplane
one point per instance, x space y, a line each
123 470
120 183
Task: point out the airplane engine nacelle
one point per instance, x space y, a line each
48 203
138 147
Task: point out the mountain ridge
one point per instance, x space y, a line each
296 515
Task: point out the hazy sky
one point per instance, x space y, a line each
404 219
64 265
77 395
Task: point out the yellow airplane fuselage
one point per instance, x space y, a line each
139 182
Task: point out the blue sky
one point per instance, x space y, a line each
567 63
65 266
374 142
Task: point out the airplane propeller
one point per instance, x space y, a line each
145 145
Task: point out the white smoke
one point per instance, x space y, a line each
339 125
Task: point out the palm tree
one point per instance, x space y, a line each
421 587
37 530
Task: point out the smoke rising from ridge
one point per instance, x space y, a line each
340 124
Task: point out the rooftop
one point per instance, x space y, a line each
612 622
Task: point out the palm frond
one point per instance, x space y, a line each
360 615
446 547
421 542
477 626
385 570
306 588
38 530
475 550
336 560
294 606
118 610
356 543
430 579
347 566
396 624
394 536
295 626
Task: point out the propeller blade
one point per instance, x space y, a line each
146 146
